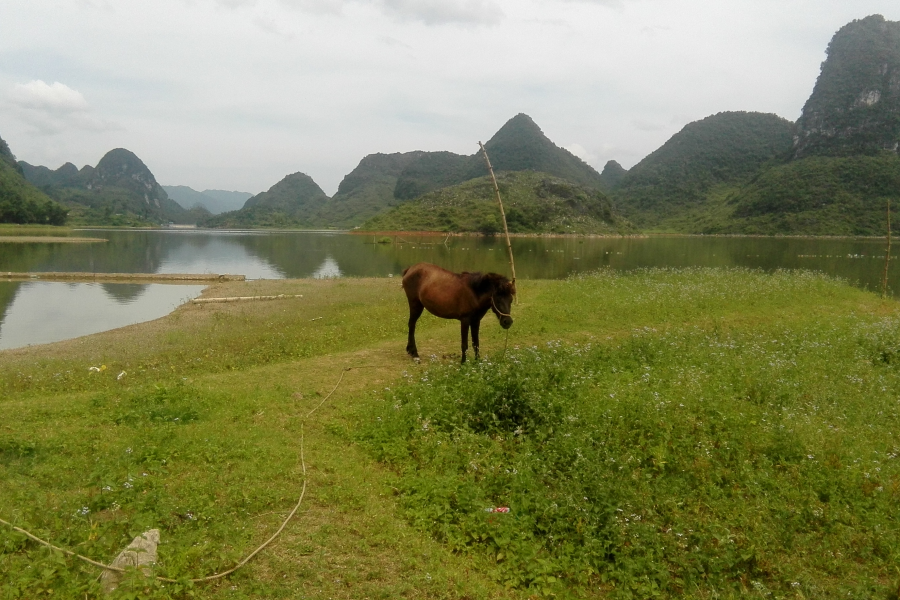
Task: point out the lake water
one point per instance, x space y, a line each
40 312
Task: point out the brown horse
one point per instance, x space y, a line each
463 296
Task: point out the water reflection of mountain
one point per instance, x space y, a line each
304 254
126 252
535 258
8 291
124 293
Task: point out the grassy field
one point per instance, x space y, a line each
700 433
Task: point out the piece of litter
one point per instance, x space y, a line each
499 509
94 369
120 376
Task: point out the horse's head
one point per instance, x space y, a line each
501 302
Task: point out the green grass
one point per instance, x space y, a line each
709 460
709 388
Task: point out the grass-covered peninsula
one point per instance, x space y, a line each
696 433
534 203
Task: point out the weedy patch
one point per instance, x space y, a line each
680 462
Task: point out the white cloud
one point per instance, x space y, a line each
53 108
439 12
613 3
56 98
318 7
429 12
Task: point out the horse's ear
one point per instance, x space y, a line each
511 287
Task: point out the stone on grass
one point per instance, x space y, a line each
140 553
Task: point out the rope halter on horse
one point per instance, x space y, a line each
497 310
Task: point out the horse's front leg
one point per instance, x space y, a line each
476 324
464 333
415 311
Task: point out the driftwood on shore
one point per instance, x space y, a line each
243 298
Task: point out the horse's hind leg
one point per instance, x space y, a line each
464 333
415 311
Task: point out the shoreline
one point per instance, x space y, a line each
613 236
399 233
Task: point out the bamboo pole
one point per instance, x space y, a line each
512 264
887 256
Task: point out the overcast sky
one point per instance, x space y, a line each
235 94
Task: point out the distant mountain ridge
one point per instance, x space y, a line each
120 190
214 201
383 181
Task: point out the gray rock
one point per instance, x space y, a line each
140 553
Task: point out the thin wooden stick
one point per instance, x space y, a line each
887 257
512 265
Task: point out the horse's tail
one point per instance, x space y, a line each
406 269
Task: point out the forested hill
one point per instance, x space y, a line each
855 105
726 148
844 168
535 203
742 172
366 190
20 201
120 190
519 145
292 202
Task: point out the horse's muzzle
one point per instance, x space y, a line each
506 322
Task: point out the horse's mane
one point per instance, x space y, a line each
484 283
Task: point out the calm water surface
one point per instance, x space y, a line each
39 312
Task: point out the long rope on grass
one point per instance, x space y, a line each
512 264
244 561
